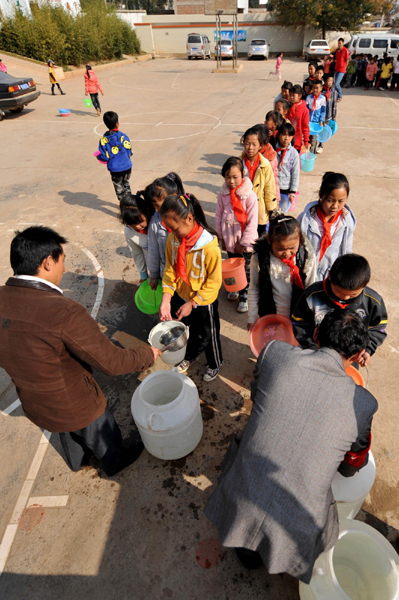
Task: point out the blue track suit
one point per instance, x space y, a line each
115 149
316 115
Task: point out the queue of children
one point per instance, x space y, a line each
368 71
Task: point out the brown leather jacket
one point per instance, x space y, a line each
48 344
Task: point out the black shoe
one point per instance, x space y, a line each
52 93
250 559
62 93
129 456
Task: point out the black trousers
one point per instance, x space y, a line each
53 86
95 101
102 439
204 326
121 183
243 294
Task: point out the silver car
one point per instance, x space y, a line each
258 48
198 46
224 48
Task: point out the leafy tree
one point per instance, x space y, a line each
327 15
384 8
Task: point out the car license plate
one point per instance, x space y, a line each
194 48
24 86
257 49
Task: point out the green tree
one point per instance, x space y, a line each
327 15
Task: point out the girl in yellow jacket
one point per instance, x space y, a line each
53 78
192 279
260 172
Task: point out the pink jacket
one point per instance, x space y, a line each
271 156
227 226
92 85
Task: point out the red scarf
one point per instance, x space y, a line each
326 241
283 153
145 231
327 91
239 210
294 270
166 227
332 299
314 101
186 244
252 168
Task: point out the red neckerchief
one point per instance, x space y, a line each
332 299
239 210
283 153
252 168
166 227
314 101
186 244
294 108
326 241
327 90
115 129
144 231
294 270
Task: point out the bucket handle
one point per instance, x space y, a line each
150 419
318 572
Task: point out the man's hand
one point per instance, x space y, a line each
184 311
238 249
153 284
156 352
364 359
164 309
250 326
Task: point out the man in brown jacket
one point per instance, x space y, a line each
49 345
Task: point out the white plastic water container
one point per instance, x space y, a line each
168 357
167 412
350 492
362 566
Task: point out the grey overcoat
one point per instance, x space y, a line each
274 494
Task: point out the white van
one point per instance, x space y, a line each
198 45
374 43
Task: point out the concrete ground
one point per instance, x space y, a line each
142 534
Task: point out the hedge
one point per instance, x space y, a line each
97 34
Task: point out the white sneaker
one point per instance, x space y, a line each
242 307
232 296
319 150
211 374
185 365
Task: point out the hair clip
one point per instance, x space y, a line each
183 199
188 196
169 176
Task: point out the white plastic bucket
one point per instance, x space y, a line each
362 566
350 492
166 410
168 357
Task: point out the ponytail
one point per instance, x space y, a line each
183 206
88 68
133 208
170 184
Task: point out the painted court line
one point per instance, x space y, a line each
47 501
12 407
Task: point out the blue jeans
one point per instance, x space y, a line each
337 82
285 203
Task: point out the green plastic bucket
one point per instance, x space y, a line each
146 299
87 101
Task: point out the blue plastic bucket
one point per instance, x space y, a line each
64 112
333 126
307 161
314 128
324 134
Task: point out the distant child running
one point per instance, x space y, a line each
237 220
158 232
115 149
316 104
92 87
135 215
192 280
282 266
260 172
329 223
279 62
288 167
53 78
284 94
299 117
3 68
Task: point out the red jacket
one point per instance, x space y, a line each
299 117
92 85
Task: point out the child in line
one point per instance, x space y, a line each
299 117
395 76
237 220
316 104
319 74
307 89
270 154
278 66
273 120
346 287
371 73
192 280
288 167
283 107
385 73
312 66
350 73
135 215
92 87
155 194
284 94
282 266
331 96
53 78
260 172
115 149
327 60
329 222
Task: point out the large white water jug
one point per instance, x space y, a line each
167 412
362 566
350 492
168 357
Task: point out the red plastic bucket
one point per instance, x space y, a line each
268 328
356 376
233 274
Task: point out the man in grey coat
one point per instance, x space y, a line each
274 502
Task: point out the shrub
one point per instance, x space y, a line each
94 35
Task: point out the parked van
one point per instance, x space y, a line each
198 45
374 43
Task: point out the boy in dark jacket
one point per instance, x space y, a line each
115 149
346 287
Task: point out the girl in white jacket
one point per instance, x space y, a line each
135 214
